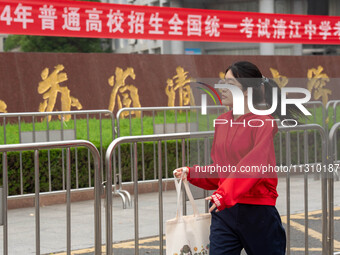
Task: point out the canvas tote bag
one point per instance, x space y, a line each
187 235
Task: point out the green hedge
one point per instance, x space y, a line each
83 175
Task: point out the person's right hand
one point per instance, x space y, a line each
182 170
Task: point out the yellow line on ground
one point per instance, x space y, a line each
302 217
153 247
303 249
126 245
312 213
76 252
311 232
297 226
309 249
141 241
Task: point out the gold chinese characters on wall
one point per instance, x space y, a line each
124 95
50 86
281 80
3 106
121 83
180 84
317 81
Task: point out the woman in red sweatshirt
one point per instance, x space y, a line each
243 209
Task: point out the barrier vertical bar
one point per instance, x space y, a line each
4 123
288 190
206 156
154 148
136 198
316 176
324 118
68 202
305 147
160 197
142 132
97 202
88 151
298 148
165 149
324 207
62 126
4 201
330 238
176 130
48 156
62 150
109 205
280 139
76 150
131 150
188 147
315 139
37 202
208 126
332 158
334 114
198 147
101 145
119 160
20 155
33 129
183 164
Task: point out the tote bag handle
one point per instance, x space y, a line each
178 185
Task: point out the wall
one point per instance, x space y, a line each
29 81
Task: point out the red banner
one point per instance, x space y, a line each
100 20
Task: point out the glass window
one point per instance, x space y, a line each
249 51
283 51
282 6
245 6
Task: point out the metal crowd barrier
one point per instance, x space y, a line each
160 128
176 128
313 105
62 134
285 133
332 104
205 135
44 146
289 163
332 157
108 160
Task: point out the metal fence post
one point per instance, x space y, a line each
49 145
4 202
331 160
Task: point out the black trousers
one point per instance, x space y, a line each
256 228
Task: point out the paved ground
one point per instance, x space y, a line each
53 223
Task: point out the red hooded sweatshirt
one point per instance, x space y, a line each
244 143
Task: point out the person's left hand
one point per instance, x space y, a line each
217 202
213 205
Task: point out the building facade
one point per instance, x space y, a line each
310 7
